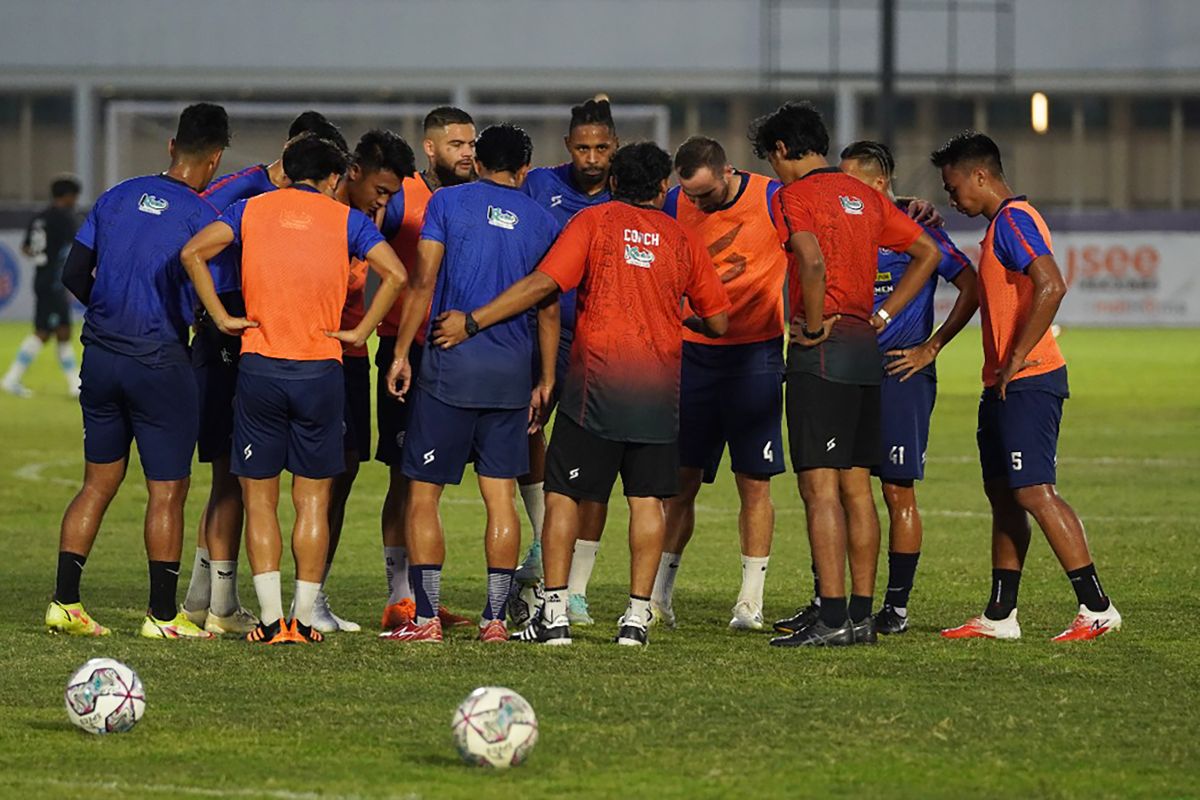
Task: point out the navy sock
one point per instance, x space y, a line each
499 583
1005 584
164 582
902 568
833 611
1087 588
426 583
70 571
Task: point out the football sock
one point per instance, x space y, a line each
303 601
270 597
30 347
664 581
638 607
833 611
499 582
200 584
582 562
66 360
860 607
395 561
70 570
534 498
816 598
902 568
224 598
556 603
426 581
164 583
1087 588
1005 583
754 575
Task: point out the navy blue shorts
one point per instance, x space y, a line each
1018 437
293 423
904 426
392 416
721 402
215 363
356 428
442 438
124 400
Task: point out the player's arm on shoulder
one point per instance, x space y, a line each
922 211
195 255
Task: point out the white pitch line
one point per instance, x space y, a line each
33 472
159 789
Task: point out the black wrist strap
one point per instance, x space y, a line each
811 334
471 325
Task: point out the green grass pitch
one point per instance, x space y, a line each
702 712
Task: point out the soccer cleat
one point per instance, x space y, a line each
266 634
199 618
557 632
398 614
888 621
178 628
983 628
747 616
306 633
577 610
803 618
17 389
326 621
240 622
494 630
631 631
71 619
662 615
451 620
530 570
817 634
416 632
1089 625
864 631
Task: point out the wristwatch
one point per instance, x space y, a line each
471 325
885 316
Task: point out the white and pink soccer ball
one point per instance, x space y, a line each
494 727
105 696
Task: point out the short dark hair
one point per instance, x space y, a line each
503 148
316 123
969 147
308 157
592 112
65 186
639 170
442 116
697 152
797 124
203 128
877 153
383 150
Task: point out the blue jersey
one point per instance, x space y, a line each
494 236
140 304
914 324
222 193
554 189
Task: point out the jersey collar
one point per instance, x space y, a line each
1017 199
819 171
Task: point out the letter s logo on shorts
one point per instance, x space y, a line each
573 474
248 452
429 457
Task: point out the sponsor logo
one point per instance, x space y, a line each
10 276
638 257
573 474
832 443
501 218
149 204
555 201
224 573
851 205
429 457
1112 268
295 220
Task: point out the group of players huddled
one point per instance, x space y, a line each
652 317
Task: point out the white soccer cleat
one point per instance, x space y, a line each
239 622
17 389
577 610
983 628
663 615
1089 625
326 621
747 616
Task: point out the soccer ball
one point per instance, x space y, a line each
525 602
105 696
494 727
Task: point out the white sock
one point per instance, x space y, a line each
304 600
70 367
270 597
555 605
30 347
582 562
638 608
664 581
754 575
534 499
224 600
395 561
199 590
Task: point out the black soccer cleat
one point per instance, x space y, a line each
864 631
538 631
631 633
804 617
887 622
817 634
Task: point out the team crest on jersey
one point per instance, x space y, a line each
851 205
152 205
638 256
501 218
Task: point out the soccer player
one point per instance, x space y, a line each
833 226
449 147
909 346
473 402
580 183
47 242
633 266
288 408
212 600
731 389
1024 385
137 384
